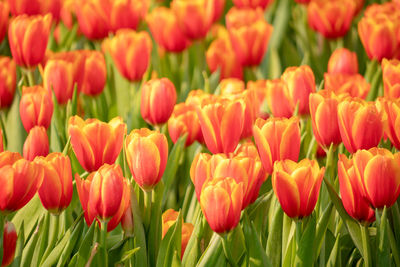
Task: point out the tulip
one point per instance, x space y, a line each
20 181
279 100
127 13
343 61
249 34
194 17
354 85
4 14
55 193
127 222
300 82
323 110
304 2
93 18
219 6
9 243
332 19
392 129
157 101
131 52
352 192
252 3
184 120
36 144
165 29
95 142
8 77
231 86
277 139
146 154
390 75
221 202
58 77
28 38
35 7
1 141
222 124
36 107
360 124
297 185
95 73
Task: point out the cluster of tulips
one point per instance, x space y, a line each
199 133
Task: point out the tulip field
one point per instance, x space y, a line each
205 133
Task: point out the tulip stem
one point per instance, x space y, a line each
2 222
103 239
31 79
366 245
147 208
227 250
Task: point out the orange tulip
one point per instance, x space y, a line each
222 124
231 86
28 38
131 52
297 185
164 27
219 6
377 175
249 34
343 61
332 19
95 142
279 100
221 202
95 73
55 193
355 85
277 139
93 18
300 82
323 110
59 77
4 14
127 13
146 154
304 2
35 7
392 129
8 77
36 144
194 17
9 243
252 3
20 181
157 101
391 80
36 107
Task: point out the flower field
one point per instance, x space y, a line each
199 133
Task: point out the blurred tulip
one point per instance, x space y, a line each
231 86
67 13
165 29
95 142
4 14
20 181
297 185
392 129
279 100
36 7
28 38
222 124
194 17
219 6
8 77
95 73
157 100
58 77
300 82
343 61
131 53
391 78
252 3
221 202
355 85
277 139
36 144
127 222
127 13
93 18
304 2
323 110
9 243
1 141
35 107
249 34
360 124
146 154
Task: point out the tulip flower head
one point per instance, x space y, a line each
95 73
4 14
392 129
354 85
343 61
391 80
36 144
252 3
8 77
9 243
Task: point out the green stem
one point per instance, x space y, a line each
53 237
2 222
103 239
393 244
366 245
147 208
227 250
31 79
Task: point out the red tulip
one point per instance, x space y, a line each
8 77
36 144
9 243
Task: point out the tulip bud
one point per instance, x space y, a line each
9 243
219 6
35 7
231 86
127 222
8 77
149 147
279 100
1 141
343 61
36 144
93 19
36 107
158 100
4 14
28 38
95 73
252 3
390 75
354 85
59 77
392 112
127 13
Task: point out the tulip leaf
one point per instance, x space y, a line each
321 228
129 254
15 131
192 251
383 250
29 248
20 247
334 257
170 243
84 249
155 227
274 241
43 240
213 252
66 253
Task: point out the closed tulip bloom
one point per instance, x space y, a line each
391 80
277 139
249 34
194 17
1 141
304 2
95 73
36 144
165 29
4 14
352 191
278 98
95 142
219 6
221 202
343 61
9 243
131 52
146 154
355 85
252 3
28 38
222 124
55 193
127 222
8 77
127 13
300 82
360 124
36 7
297 185
20 181
231 86
35 107
58 77
157 100
323 110
93 18
332 19
392 129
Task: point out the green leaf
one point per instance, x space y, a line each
305 251
27 254
192 251
170 243
213 252
128 254
321 228
66 253
155 227
383 251
274 241
84 249
14 129
20 247
333 258
43 240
